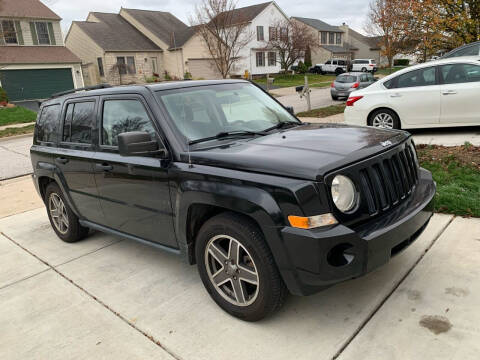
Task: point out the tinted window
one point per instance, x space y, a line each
79 121
460 73
341 62
364 78
467 51
47 124
346 79
121 116
420 77
328 62
388 84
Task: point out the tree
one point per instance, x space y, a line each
291 39
223 32
391 20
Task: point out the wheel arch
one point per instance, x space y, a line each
369 117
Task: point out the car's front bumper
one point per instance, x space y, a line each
325 256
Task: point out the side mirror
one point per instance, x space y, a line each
138 143
290 109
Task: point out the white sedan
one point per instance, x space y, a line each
438 93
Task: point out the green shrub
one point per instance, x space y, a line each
187 75
302 68
401 62
167 76
3 96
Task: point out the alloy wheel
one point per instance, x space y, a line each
231 270
383 120
58 212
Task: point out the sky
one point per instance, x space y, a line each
334 12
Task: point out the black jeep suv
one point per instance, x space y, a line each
222 174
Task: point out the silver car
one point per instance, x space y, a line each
345 83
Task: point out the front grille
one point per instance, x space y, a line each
383 182
390 180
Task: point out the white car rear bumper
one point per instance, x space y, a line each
355 116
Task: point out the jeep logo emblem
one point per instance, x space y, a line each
386 143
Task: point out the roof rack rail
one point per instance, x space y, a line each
86 88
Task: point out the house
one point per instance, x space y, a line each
341 42
34 63
113 51
256 57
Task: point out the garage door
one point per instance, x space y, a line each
35 84
203 69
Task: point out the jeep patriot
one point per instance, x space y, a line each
223 175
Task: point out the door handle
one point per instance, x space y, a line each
62 160
396 95
104 167
449 92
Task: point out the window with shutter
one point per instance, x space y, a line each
42 33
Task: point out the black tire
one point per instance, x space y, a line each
392 114
364 69
334 97
338 71
270 293
74 231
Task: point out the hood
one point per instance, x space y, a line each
309 151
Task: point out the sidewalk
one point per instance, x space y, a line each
16 125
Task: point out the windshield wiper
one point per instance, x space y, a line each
225 134
282 125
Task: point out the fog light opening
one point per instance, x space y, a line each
340 255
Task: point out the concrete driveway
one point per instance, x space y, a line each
15 156
107 297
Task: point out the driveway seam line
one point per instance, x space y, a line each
118 315
89 253
23 279
380 305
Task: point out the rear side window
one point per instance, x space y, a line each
420 77
121 116
78 124
47 124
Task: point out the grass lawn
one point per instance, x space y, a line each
457 173
16 115
287 80
17 131
323 112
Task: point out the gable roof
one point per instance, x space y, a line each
318 24
114 33
38 55
164 25
371 41
26 9
245 14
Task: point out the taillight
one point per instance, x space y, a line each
353 99
333 84
371 65
356 85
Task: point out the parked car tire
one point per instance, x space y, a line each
364 69
245 283
63 220
385 119
338 71
334 97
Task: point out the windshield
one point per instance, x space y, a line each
205 111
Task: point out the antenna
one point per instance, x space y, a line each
176 51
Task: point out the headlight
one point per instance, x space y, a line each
343 193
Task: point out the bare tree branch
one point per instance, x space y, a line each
222 33
291 39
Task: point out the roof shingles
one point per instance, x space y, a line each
38 55
319 24
114 33
33 9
